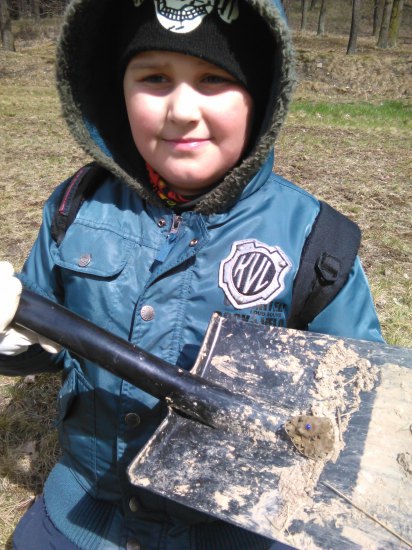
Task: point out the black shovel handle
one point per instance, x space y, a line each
133 364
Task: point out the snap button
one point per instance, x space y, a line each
132 419
134 505
161 222
194 242
84 260
147 313
133 545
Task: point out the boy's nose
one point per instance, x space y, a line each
184 105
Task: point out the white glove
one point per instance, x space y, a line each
15 340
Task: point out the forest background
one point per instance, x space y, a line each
347 140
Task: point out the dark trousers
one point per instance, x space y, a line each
35 531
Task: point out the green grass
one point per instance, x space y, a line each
361 114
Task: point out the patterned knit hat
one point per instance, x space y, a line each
216 31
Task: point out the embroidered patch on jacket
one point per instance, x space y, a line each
253 273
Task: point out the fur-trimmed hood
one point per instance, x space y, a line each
90 87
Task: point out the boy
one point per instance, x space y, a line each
180 104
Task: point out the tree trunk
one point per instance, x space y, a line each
7 37
313 4
24 10
377 16
285 4
384 30
322 16
395 23
305 7
35 9
353 36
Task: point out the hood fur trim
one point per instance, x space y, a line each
220 198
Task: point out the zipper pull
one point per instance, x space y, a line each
176 221
170 239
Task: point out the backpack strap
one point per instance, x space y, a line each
81 185
326 261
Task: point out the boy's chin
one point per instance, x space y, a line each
191 183
191 189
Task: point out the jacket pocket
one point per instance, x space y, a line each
74 384
66 397
97 276
92 250
77 426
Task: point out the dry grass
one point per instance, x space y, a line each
364 169
28 444
360 163
36 152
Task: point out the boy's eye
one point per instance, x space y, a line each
216 79
154 78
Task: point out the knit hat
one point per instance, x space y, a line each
217 32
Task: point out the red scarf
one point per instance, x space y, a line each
171 198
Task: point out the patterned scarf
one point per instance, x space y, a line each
169 197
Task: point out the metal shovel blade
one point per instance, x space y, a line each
284 485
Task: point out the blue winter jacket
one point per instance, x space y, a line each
154 277
158 289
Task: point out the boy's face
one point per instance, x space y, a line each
189 119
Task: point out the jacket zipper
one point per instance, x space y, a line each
170 238
176 221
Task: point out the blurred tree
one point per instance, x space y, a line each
285 4
304 19
35 9
377 16
384 29
313 4
322 17
7 36
353 36
395 23
24 8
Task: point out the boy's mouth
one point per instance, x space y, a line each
186 144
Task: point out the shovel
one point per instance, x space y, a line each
299 437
